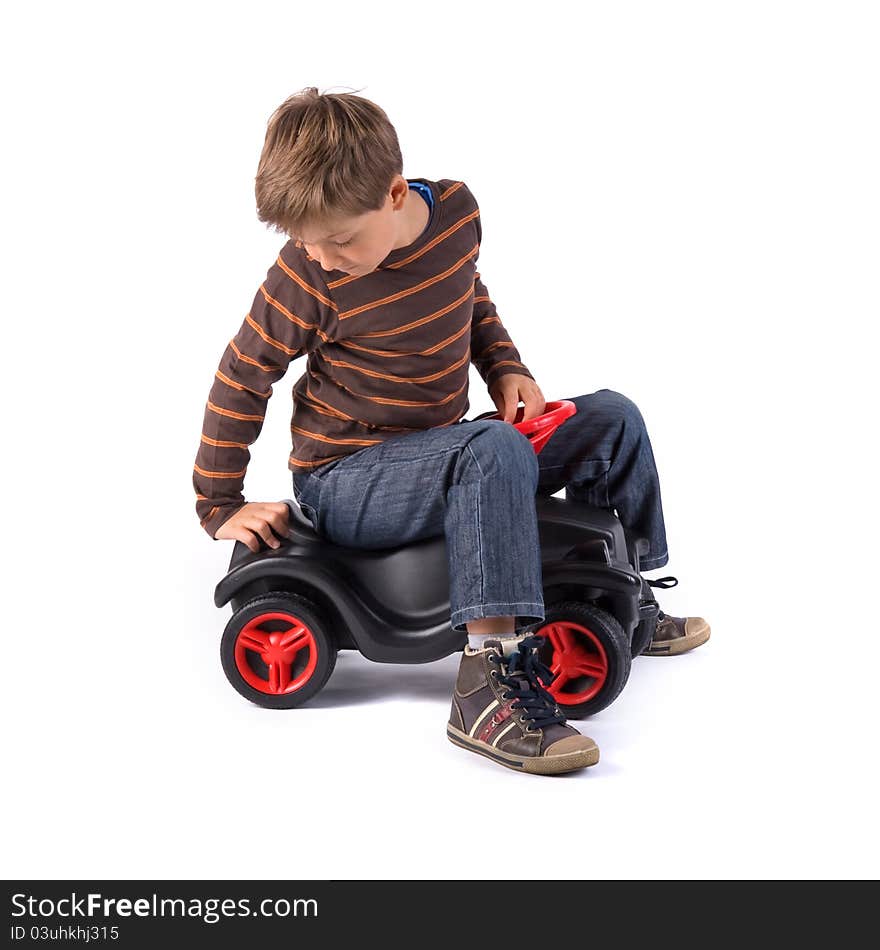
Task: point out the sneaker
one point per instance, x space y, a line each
674 635
501 710
677 635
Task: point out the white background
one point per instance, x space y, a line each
704 175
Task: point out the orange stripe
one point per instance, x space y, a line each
315 462
269 368
224 445
422 251
327 410
391 354
415 323
400 379
207 474
270 340
487 320
495 366
453 419
292 274
338 413
451 190
299 463
450 339
397 402
317 437
412 290
241 387
489 349
437 240
234 415
292 316
207 517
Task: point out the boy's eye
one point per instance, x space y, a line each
337 243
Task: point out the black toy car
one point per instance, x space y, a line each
295 606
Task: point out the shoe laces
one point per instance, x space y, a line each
664 583
521 674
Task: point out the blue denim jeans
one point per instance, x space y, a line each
476 482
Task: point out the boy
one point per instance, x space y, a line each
378 286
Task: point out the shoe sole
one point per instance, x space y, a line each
535 764
678 645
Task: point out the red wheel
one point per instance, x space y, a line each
579 664
276 650
589 654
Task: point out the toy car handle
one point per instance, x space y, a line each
539 429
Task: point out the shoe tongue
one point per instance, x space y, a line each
505 645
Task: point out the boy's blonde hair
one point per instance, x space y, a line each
326 156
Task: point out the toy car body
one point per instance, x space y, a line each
295 606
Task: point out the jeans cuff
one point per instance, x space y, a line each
649 563
524 614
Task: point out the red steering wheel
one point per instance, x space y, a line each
539 429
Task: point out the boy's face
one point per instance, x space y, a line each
358 245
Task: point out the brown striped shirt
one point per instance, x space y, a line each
386 352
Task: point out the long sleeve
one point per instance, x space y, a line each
291 314
492 350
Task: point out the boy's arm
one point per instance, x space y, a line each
492 350
292 313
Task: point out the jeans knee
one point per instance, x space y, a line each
498 447
616 404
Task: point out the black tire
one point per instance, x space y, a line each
605 640
311 663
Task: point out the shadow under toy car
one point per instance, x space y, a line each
296 605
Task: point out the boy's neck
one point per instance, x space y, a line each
417 216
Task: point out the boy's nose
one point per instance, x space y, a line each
322 259
327 264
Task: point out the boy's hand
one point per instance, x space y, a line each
255 522
507 391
